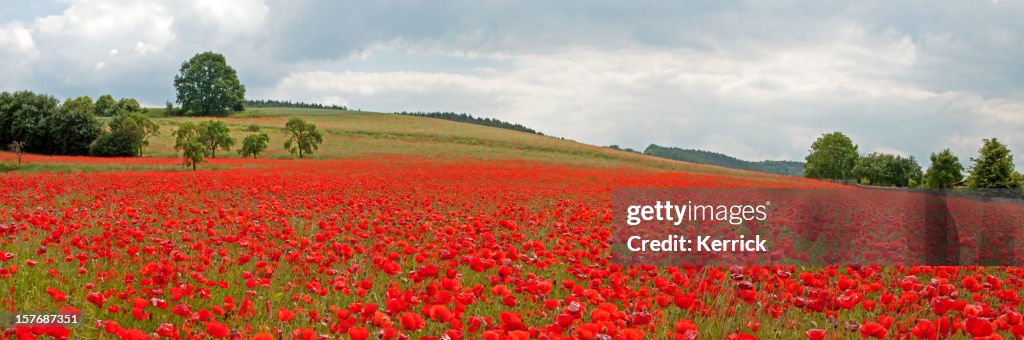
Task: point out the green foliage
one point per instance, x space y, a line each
208 86
993 168
214 134
887 170
115 143
106 106
127 105
252 128
288 103
72 128
944 172
713 158
466 118
832 156
254 144
128 132
186 140
303 137
45 126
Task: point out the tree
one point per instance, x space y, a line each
21 116
186 140
106 106
18 148
169 109
115 143
207 86
254 144
303 137
127 105
128 133
46 126
72 128
215 134
887 170
832 156
994 167
944 172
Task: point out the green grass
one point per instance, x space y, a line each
353 134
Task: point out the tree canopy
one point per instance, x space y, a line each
944 172
207 86
214 134
887 170
254 144
46 126
303 137
186 140
993 168
126 135
832 156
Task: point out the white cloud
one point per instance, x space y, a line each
18 51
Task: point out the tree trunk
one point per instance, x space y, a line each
193 166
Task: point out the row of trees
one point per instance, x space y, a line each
467 118
834 156
288 103
41 124
199 141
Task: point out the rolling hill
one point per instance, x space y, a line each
349 133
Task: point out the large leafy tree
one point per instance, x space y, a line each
214 134
208 86
254 144
945 170
303 137
832 156
993 168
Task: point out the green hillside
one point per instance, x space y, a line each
350 133
788 168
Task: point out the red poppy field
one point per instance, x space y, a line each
405 248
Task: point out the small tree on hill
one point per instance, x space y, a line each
832 156
186 140
214 134
18 148
944 172
994 167
254 144
303 137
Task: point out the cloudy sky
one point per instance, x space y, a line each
746 78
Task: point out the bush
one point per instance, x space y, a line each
253 128
115 144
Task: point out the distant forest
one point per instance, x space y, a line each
287 103
788 168
465 118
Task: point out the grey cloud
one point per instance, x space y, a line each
751 78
